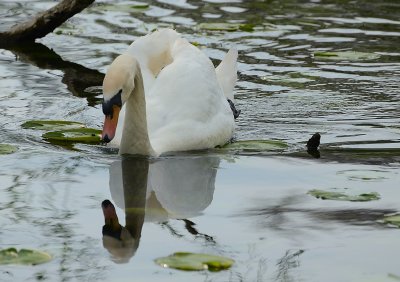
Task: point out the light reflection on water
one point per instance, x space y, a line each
253 209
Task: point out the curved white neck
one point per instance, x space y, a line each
135 136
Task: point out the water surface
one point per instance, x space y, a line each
252 207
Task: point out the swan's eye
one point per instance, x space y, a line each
114 101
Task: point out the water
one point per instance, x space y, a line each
253 207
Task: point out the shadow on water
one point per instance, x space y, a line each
80 80
156 190
277 216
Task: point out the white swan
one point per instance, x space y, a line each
170 96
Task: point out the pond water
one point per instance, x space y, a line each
253 207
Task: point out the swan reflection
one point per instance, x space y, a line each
154 190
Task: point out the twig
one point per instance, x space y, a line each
44 23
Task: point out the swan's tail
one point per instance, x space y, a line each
227 73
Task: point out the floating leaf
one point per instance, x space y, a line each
193 261
337 196
52 124
256 146
6 149
226 26
246 27
392 219
140 6
77 135
347 56
23 256
364 175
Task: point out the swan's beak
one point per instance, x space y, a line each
110 124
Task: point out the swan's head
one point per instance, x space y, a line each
118 85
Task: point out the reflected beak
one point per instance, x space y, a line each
110 124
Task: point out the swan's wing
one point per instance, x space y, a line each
153 52
188 109
227 73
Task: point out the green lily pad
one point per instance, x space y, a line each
337 196
256 146
6 149
193 261
392 219
23 256
52 125
226 27
77 135
347 56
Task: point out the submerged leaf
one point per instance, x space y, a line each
392 219
256 146
347 56
23 256
52 124
6 149
226 26
364 175
329 195
122 7
77 135
192 261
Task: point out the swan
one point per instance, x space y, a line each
164 95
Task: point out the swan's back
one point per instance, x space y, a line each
185 96
186 105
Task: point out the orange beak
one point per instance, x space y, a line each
110 124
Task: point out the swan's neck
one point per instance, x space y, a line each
135 136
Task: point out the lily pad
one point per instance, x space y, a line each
52 125
338 196
192 261
256 146
77 135
6 149
226 27
392 219
347 56
23 256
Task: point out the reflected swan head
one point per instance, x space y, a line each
154 190
117 239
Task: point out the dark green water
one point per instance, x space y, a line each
252 207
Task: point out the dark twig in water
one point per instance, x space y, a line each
312 145
314 141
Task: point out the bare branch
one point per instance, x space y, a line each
45 22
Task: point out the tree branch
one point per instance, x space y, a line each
44 23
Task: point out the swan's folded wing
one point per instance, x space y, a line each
227 73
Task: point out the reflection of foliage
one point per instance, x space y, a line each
278 216
38 200
289 261
77 77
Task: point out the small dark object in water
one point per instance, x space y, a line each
314 141
312 145
235 112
